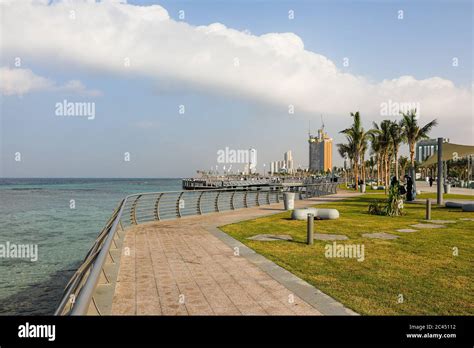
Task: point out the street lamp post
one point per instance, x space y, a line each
439 196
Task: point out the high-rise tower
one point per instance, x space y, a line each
320 151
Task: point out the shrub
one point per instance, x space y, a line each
392 207
376 207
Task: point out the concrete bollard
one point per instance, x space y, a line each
310 229
428 209
289 200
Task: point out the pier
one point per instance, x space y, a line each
247 182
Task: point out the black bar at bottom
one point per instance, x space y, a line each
328 330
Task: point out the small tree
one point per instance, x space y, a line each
403 163
414 133
358 137
397 136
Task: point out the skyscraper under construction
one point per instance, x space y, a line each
320 151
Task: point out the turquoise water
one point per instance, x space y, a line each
38 211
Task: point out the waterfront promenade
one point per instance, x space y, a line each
425 187
189 267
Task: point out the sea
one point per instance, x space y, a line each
62 217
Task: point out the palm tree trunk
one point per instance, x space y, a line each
378 169
412 161
396 163
412 154
356 174
384 170
362 164
388 172
351 169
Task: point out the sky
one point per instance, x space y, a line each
167 84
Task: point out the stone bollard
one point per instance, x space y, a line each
428 209
310 229
289 200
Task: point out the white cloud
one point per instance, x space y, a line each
77 87
273 68
22 81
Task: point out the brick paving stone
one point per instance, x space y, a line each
166 262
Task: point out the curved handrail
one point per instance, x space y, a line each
79 291
94 262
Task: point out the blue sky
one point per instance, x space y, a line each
139 114
379 45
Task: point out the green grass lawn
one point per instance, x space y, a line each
368 188
420 265
446 197
423 195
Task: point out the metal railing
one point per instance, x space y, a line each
91 288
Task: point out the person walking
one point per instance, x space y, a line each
431 181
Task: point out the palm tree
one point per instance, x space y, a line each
413 133
363 149
369 165
397 137
358 137
403 163
382 133
376 151
346 150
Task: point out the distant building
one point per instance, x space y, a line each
284 166
252 161
289 161
320 151
246 170
426 148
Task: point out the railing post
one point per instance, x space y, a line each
157 207
216 203
178 208
133 215
245 199
232 201
199 203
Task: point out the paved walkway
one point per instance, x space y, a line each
425 187
189 267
